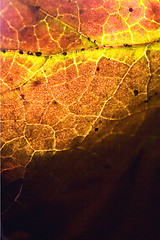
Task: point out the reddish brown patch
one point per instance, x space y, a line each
111 68
153 11
41 30
90 3
71 73
97 16
92 21
16 76
115 24
57 78
92 29
55 28
48 46
70 20
26 33
54 113
6 31
7 43
13 17
5 65
67 39
30 15
11 107
30 2
68 8
111 6
50 6
148 25
27 39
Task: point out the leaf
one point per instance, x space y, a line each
79 93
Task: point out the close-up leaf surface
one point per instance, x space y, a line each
80 116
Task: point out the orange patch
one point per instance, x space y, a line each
115 24
111 6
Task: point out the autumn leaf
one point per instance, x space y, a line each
80 87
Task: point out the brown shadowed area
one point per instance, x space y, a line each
89 198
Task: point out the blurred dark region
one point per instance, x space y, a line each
80 195
129 209
45 220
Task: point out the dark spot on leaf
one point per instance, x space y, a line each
66 85
80 11
38 54
104 45
127 45
97 48
135 92
149 98
96 129
98 69
155 93
34 8
37 7
131 9
20 52
22 96
36 83
94 41
82 49
55 102
64 53
3 50
89 39
29 53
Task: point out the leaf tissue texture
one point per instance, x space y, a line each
80 100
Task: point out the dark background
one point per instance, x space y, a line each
78 195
